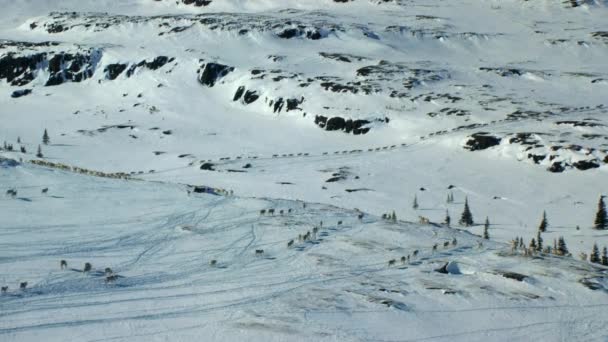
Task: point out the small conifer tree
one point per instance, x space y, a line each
561 246
467 218
543 223
39 153
601 217
539 240
533 244
605 256
594 257
448 220
394 217
486 226
45 137
415 204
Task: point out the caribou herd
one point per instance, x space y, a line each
310 235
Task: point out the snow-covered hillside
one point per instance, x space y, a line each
328 108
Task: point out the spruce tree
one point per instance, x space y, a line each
467 218
415 204
18 140
594 257
561 246
447 218
539 240
533 244
39 153
394 217
543 223
448 199
45 138
23 149
601 217
605 256
486 226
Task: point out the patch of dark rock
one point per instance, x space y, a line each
358 190
112 71
536 157
158 153
481 141
513 275
239 93
578 123
208 167
340 124
250 96
592 284
525 138
341 57
443 269
21 92
556 167
211 73
504 72
584 165
247 166
168 132
237 171
285 183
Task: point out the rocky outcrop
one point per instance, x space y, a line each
21 92
211 73
67 67
154 64
337 123
20 70
481 141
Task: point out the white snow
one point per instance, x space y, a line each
533 74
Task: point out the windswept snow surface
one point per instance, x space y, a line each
325 108
337 286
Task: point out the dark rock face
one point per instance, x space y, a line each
239 93
481 141
208 167
503 72
20 70
114 70
197 3
211 73
586 164
337 123
154 64
62 67
21 92
514 276
66 67
250 96
537 158
309 33
556 167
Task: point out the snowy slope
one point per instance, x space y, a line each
354 105
336 286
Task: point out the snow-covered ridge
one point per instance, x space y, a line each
233 164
